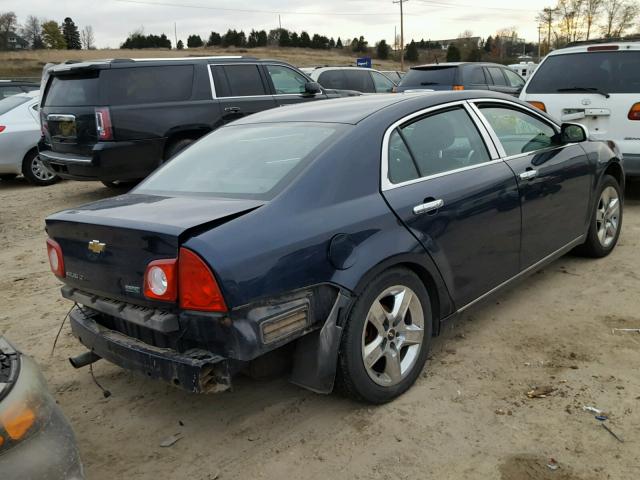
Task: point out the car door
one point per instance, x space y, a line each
241 90
554 180
289 86
447 185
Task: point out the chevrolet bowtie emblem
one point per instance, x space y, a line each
96 246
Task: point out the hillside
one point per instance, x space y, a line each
29 63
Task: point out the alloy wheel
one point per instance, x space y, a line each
608 216
392 335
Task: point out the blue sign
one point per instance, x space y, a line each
364 62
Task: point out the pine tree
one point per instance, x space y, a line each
411 52
488 44
215 39
382 50
453 53
71 34
194 41
180 45
339 43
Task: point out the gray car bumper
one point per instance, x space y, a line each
632 164
50 452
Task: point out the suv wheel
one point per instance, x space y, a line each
386 338
176 147
35 172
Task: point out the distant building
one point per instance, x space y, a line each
16 42
468 42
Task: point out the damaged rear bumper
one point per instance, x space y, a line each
196 370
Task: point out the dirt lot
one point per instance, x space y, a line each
468 416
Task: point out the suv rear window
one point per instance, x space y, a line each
423 77
72 92
610 72
131 86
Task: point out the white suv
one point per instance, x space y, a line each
359 79
597 85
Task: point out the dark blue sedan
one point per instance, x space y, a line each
336 235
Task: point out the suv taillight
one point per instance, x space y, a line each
2 128
56 260
634 113
103 124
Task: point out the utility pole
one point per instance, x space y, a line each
401 33
279 22
548 18
539 43
175 33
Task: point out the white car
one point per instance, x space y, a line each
359 79
597 85
19 136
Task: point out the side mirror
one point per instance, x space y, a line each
573 133
312 88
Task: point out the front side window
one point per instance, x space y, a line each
243 161
382 83
519 132
285 80
497 76
436 144
513 78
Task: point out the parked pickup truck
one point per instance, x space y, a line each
117 120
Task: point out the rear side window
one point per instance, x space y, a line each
360 81
519 132
609 72
333 79
438 143
72 91
497 76
476 76
241 81
12 102
131 86
424 77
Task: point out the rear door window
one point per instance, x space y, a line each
242 81
513 78
497 76
360 81
476 76
72 91
609 72
333 79
131 86
426 77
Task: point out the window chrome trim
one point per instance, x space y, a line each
214 95
386 184
525 109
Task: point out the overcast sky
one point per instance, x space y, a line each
113 20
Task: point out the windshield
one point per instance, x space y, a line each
421 77
607 72
243 161
12 102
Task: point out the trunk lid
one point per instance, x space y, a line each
107 245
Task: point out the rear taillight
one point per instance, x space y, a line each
161 280
198 289
539 105
2 128
56 260
458 87
634 113
103 124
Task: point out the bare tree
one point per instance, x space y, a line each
32 32
619 16
87 38
626 18
570 15
8 25
592 10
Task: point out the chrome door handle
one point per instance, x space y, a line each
232 109
529 175
428 207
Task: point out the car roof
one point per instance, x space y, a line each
17 82
602 47
455 64
352 110
343 68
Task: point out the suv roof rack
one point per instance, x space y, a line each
631 38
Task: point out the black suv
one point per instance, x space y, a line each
13 87
117 120
462 76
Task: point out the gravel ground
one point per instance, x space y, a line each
468 416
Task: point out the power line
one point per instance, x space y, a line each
247 10
466 5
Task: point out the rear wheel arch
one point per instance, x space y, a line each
615 170
179 137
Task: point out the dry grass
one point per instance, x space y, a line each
30 63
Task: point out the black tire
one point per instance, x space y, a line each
593 246
176 147
37 175
120 185
8 176
353 378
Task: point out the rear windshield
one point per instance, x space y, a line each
423 77
243 161
72 92
12 102
609 72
